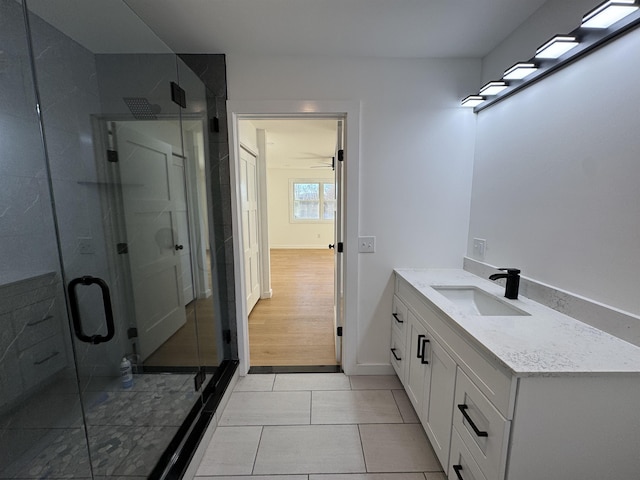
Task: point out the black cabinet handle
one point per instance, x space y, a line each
42 320
75 311
395 315
463 408
393 351
424 361
419 352
179 247
458 469
46 359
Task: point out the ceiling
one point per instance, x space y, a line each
299 143
382 28
371 28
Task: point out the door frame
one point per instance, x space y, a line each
291 109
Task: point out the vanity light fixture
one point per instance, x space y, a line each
608 13
520 71
472 101
603 24
557 46
493 88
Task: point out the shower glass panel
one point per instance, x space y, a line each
105 264
41 422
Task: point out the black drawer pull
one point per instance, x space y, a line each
40 362
32 324
424 361
463 408
395 315
393 351
420 342
458 469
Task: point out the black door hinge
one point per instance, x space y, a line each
226 336
132 332
340 247
112 156
199 379
178 95
214 124
341 155
339 331
122 248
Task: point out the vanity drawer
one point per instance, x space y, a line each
42 360
35 323
398 354
484 431
461 464
399 317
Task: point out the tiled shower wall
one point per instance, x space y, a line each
212 71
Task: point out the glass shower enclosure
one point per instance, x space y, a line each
105 258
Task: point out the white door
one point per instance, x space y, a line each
338 239
250 245
153 205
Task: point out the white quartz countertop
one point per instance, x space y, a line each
545 343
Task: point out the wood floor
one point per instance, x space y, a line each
295 326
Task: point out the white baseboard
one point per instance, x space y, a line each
373 369
324 246
267 294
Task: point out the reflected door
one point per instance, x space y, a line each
153 207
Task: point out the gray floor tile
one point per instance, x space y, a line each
409 415
435 476
361 406
397 448
267 408
232 451
258 477
312 381
375 382
255 383
370 476
310 449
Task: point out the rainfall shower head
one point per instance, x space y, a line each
141 109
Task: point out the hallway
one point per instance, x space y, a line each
295 326
319 427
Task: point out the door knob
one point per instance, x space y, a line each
331 245
179 247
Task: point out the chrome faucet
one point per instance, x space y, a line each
513 281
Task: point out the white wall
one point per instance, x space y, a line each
554 17
416 153
555 184
283 233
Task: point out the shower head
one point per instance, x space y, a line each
141 109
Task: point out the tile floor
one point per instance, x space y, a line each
127 430
319 426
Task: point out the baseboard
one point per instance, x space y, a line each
267 294
324 246
373 369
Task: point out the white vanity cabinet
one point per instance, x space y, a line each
489 417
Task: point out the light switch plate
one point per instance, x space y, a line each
479 246
366 244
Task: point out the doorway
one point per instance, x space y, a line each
350 112
289 167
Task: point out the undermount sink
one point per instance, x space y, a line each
474 301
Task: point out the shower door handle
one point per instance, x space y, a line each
75 311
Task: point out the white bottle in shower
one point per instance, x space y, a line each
126 373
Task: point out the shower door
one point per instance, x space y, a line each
81 284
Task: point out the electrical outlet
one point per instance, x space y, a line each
479 246
86 246
366 244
